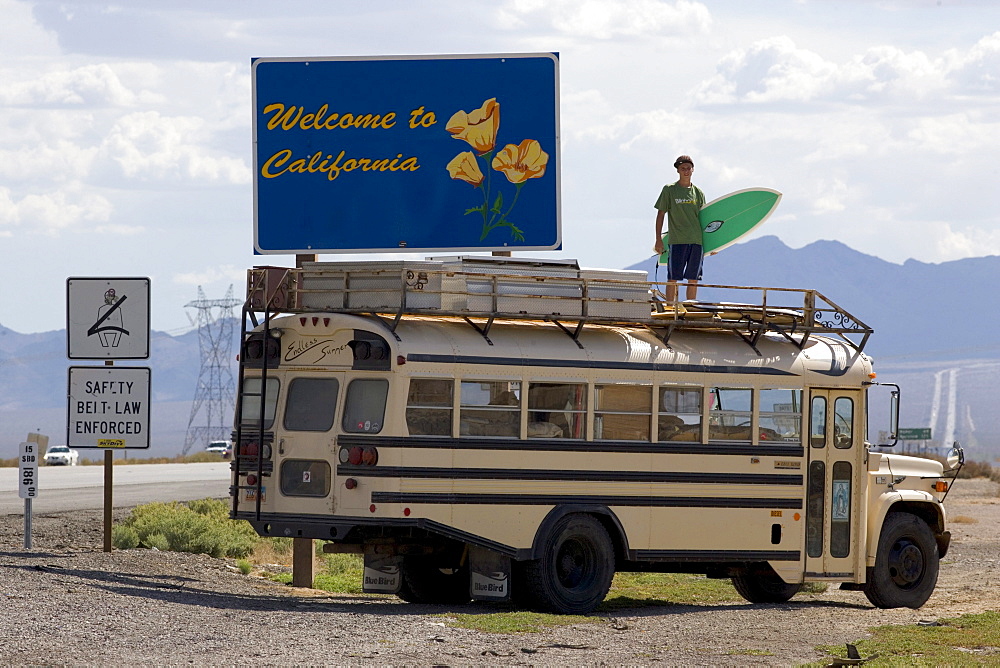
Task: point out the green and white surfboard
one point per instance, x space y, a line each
727 219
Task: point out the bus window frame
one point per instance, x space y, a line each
722 413
701 390
462 408
452 408
586 413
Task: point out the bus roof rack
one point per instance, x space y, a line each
484 289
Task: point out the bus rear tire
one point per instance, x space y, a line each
426 581
574 572
906 564
760 584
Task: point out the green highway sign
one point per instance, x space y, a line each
921 434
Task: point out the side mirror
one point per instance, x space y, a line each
894 415
955 459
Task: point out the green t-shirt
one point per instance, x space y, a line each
682 206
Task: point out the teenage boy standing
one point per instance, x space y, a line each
681 202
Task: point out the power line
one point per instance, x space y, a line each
214 391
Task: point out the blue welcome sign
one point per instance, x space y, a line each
416 153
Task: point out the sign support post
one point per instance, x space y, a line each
27 524
109 479
303 556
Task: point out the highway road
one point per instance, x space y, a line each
63 488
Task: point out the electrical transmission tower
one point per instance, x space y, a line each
214 392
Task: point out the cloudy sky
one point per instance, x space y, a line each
125 128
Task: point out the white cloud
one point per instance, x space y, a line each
770 70
20 34
957 133
90 85
777 70
833 197
207 275
978 70
148 146
49 213
58 162
608 19
119 230
955 244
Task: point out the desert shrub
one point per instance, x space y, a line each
974 469
124 538
201 527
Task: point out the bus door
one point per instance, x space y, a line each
305 445
834 494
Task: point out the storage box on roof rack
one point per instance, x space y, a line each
614 293
511 286
370 286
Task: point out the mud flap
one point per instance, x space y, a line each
489 575
382 574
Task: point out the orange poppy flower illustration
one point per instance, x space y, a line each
522 162
465 167
518 162
479 128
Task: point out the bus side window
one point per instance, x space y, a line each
780 415
428 406
843 422
490 408
621 412
730 416
817 422
679 416
364 409
557 410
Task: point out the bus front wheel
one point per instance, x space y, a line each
906 564
760 584
574 572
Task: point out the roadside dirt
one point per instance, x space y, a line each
68 602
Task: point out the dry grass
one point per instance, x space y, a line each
963 519
98 460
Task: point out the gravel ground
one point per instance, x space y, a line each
68 603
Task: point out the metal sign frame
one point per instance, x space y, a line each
104 407
28 470
406 153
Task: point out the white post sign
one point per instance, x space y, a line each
28 486
108 407
107 318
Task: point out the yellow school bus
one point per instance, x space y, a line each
496 428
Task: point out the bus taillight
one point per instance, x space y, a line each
356 456
251 449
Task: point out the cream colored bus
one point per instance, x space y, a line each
481 435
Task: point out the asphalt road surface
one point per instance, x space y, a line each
62 488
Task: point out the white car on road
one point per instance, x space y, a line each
61 455
224 448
